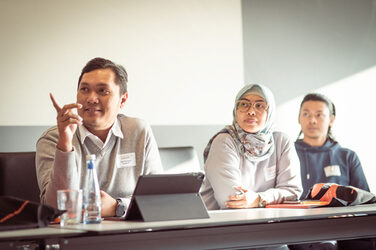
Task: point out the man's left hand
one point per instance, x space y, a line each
108 205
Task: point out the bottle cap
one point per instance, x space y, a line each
90 157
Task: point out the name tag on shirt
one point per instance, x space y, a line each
332 171
127 160
270 173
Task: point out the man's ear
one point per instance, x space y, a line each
123 99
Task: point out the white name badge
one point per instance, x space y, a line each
127 160
332 171
270 173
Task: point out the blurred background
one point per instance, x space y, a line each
186 61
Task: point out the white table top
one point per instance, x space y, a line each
225 228
229 217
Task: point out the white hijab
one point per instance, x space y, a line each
254 146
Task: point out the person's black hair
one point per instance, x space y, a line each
329 104
121 76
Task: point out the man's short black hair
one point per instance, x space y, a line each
121 76
329 104
321 98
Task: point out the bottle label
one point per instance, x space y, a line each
127 160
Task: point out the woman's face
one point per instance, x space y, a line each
251 113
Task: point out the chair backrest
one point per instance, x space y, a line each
18 176
177 160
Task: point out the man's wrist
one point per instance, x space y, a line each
120 208
64 147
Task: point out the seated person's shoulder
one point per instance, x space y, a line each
345 152
282 139
223 139
132 124
127 120
280 136
51 133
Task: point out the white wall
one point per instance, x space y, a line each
296 47
184 58
354 126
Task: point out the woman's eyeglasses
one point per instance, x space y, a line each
244 106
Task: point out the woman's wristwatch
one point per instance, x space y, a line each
262 202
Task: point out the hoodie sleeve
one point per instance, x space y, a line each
357 177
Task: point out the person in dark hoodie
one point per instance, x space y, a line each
322 159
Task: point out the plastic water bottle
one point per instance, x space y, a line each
92 197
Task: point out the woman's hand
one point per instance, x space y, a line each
243 199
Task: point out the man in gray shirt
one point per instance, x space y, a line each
125 147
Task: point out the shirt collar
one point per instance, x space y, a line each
115 130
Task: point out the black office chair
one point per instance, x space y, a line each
176 160
17 175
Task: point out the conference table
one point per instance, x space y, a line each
225 229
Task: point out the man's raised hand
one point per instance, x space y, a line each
67 123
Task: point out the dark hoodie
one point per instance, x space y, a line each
329 163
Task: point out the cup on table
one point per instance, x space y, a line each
71 201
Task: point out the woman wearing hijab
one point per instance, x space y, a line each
247 164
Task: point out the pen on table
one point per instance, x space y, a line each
238 192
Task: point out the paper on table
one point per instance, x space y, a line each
299 204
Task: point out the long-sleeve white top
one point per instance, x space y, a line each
276 179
